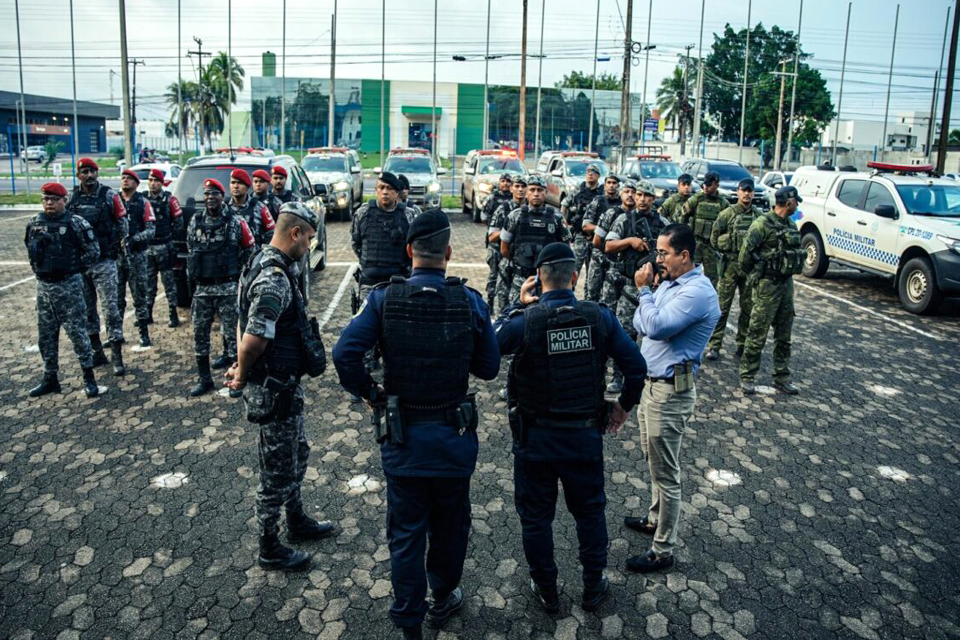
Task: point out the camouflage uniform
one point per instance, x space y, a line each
646 225
60 302
257 217
701 212
160 253
771 256
574 209
608 285
495 219
599 262
672 207
555 227
270 201
132 264
412 210
727 236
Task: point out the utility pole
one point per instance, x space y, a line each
843 69
230 76
433 108
886 111
793 96
125 87
523 85
486 78
776 150
543 19
697 107
948 97
646 67
133 103
283 83
383 71
625 90
746 67
23 103
683 102
199 53
936 87
333 73
74 136
180 123
593 93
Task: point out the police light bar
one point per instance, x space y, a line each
498 152
567 154
408 150
327 150
887 167
249 150
651 156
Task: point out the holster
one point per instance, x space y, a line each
395 425
517 426
466 416
274 402
314 354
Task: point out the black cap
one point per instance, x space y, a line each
746 184
685 178
404 182
428 223
711 177
391 180
785 193
613 176
506 176
555 252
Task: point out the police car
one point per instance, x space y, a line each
566 170
417 166
895 220
339 169
482 169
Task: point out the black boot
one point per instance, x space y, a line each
222 362
275 556
302 527
150 314
205 380
174 318
412 633
90 383
49 384
145 334
116 349
99 357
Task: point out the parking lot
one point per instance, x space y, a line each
833 514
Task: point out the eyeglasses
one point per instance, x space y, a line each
51 198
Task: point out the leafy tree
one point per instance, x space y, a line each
578 80
954 137
206 102
52 148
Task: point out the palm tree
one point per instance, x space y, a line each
225 77
207 102
188 96
668 98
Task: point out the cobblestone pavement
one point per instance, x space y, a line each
833 514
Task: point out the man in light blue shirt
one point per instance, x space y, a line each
677 322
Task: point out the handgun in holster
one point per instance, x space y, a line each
395 421
518 426
380 432
465 415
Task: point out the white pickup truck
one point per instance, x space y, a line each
897 221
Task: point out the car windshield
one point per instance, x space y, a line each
500 165
143 174
408 164
663 170
730 172
931 200
190 185
578 168
325 164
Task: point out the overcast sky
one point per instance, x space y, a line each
567 42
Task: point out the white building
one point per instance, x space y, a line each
906 132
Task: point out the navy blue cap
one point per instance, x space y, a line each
785 193
555 252
404 182
746 184
711 177
429 223
391 180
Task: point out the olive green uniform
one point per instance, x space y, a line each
771 256
701 212
727 235
672 207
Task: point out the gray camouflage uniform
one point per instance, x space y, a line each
132 269
608 289
561 233
501 269
598 260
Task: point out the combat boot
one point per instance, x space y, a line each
174 318
116 349
145 334
222 362
205 380
547 597
90 383
49 384
99 357
301 527
786 387
748 387
274 556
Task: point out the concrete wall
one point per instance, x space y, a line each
420 94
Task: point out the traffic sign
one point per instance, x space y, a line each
57 168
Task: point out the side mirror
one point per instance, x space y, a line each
354 169
557 173
378 169
700 177
469 171
442 171
886 211
319 189
776 185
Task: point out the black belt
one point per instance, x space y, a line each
60 278
652 379
216 280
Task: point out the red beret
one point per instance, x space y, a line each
54 189
241 176
157 174
211 183
130 173
263 175
87 162
280 171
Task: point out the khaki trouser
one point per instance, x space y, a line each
663 415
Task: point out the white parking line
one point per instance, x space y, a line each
13 263
17 218
13 284
347 277
887 318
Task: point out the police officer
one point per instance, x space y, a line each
255 213
160 253
599 263
558 415
219 244
492 238
132 265
103 210
609 291
529 229
60 244
574 210
771 256
276 348
498 197
700 212
429 446
263 191
672 207
278 176
727 236
412 210
518 191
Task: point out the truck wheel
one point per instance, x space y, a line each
815 262
918 288
463 203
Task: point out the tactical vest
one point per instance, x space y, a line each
271 202
731 241
284 355
706 214
135 207
213 256
54 248
788 260
497 219
559 375
384 240
427 342
249 211
286 196
163 230
97 209
647 227
534 231
581 199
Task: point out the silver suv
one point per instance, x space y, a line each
566 171
339 170
417 165
481 173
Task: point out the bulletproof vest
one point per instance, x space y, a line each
213 255
788 259
738 230
284 355
638 225
249 211
286 196
271 202
384 239
708 209
163 227
534 231
97 209
559 374
427 341
581 199
135 207
53 247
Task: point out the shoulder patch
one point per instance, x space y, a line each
516 312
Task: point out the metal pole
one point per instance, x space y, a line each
486 77
886 110
523 87
333 73
646 67
73 130
776 152
283 84
383 69
433 109
793 96
125 87
683 119
948 95
625 90
593 93
843 69
696 109
23 102
229 75
936 87
746 66
536 142
180 123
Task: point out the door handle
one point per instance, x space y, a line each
862 222
831 214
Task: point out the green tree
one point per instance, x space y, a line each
52 147
578 80
954 137
207 102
